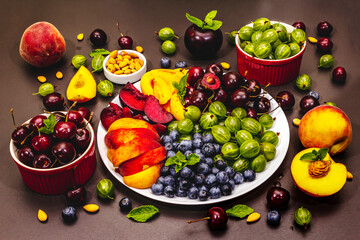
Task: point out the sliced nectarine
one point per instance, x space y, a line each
121 136
144 179
130 123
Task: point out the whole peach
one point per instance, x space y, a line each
42 45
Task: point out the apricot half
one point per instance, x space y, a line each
144 179
326 184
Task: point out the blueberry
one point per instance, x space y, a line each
201 156
169 191
203 168
160 179
217 147
199 179
222 177
173 171
180 192
125 204
208 150
181 64
214 170
314 94
226 189
197 136
165 62
273 217
197 143
187 153
210 180
203 195
215 192
175 145
232 184
166 139
209 161
207 138
185 172
157 188
175 135
249 175
238 178
220 164
169 180
184 184
169 146
185 145
69 214
203 187
165 170
230 171
197 150
170 154
193 193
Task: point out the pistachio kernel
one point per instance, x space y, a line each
139 49
318 169
41 79
312 39
296 121
225 65
59 75
91 208
80 37
42 216
253 217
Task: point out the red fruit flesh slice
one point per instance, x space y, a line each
132 97
155 112
121 136
210 81
110 114
160 128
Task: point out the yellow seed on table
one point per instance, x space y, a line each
296 121
59 75
41 79
42 216
113 54
312 39
139 49
349 176
253 217
91 208
80 37
225 65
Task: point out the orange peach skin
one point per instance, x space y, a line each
144 179
326 127
142 162
121 136
130 123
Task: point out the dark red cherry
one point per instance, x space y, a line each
54 101
190 90
195 73
262 105
286 100
277 197
299 25
307 103
125 42
199 99
76 196
85 113
64 152
324 45
41 143
251 113
82 138
37 122
26 155
59 116
98 37
20 134
215 69
232 81
42 161
324 28
339 75
218 218
240 98
253 87
221 95
65 130
75 117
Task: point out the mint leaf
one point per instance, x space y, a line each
49 123
193 159
180 156
171 161
308 156
195 20
211 15
181 87
180 165
322 153
239 211
315 155
143 213
100 51
215 25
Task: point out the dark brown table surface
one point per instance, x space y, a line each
336 217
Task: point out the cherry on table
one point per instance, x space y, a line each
286 100
277 197
339 75
125 42
76 196
324 45
324 28
307 103
98 37
54 101
217 218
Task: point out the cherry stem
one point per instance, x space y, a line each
67 115
91 115
117 25
198 220
13 118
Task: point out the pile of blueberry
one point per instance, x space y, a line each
206 179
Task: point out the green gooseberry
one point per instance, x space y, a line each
218 157
241 164
105 189
258 164
282 51
270 136
256 37
45 89
249 49
185 126
105 88
232 36
295 48
302 217
281 31
168 47
331 104
270 36
78 61
251 125
266 120
298 36
271 56
276 43
230 150
221 134
303 82
166 33
326 61
239 112
268 150
193 113
207 120
173 126
244 43
233 124
262 50
197 128
242 135
245 33
250 148
261 24
218 109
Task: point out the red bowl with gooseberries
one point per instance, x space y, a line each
273 72
60 179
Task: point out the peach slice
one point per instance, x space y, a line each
323 186
130 123
142 162
144 179
121 136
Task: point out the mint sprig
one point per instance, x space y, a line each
239 211
143 213
181 87
315 155
208 23
100 51
49 125
180 160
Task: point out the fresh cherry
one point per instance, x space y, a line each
308 102
253 87
76 196
59 116
64 152
240 98
199 99
75 117
324 45
26 155
54 101
217 218
189 90
85 113
221 96
262 105
232 81
65 130
41 143
187 101
20 135
277 197
195 73
98 37
339 75
251 113
82 138
215 69
125 42
37 122
299 25
42 161
324 28
286 100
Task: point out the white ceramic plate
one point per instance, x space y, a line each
280 125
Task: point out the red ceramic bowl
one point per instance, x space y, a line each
275 72
58 180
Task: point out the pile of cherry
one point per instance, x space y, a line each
53 139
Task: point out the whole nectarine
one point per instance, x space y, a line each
326 127
42 45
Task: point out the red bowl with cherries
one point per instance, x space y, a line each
54 169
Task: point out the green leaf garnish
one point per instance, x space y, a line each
215 26
143 213
100 51
195 20
208 23
239 211
193 159
49 123
315 155
180 160
181 87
